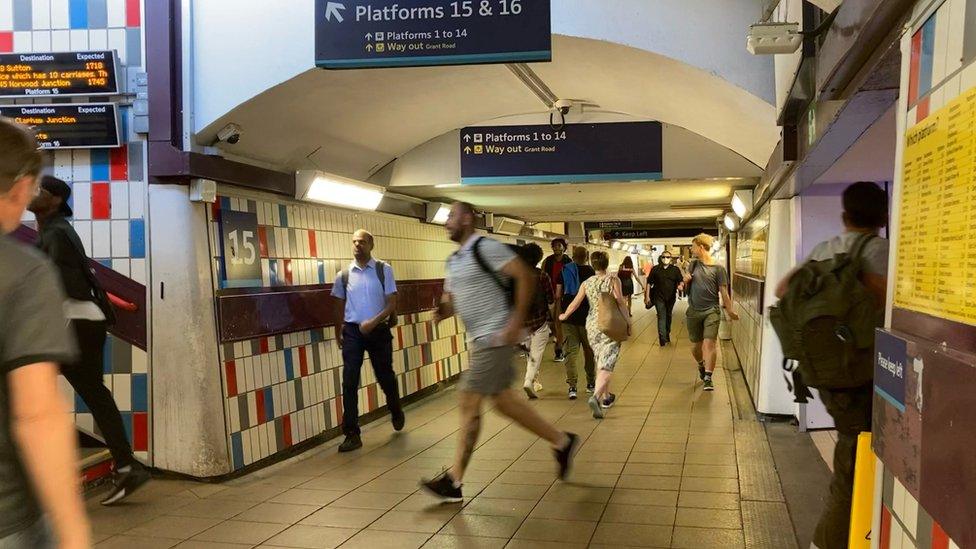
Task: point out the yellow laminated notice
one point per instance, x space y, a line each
863 501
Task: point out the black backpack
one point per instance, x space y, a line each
381 275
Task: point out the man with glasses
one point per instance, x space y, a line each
662 291
40 496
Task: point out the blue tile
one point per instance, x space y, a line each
237 450
78 14
289 365
140 393
283 212
127 421
100 165
105 262
273 271
97 14
269 410
321 272
137 239
225 203
107 347
23 15
133 47
80 406
317 336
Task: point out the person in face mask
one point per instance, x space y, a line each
662 288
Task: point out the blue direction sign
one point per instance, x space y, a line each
890 368
618 151
353 34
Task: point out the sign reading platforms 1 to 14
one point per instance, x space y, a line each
58 74
385 33
69 125
618 151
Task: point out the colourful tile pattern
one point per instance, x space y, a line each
904 523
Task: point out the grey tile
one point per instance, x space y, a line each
97 14
23 15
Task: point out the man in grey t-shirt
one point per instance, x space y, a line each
490 288
38 457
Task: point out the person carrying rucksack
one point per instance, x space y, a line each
574 328
828 311
537 322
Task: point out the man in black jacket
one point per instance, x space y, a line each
88 316
662 288
553 266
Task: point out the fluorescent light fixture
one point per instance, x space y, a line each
437 213
742 203
731 222
339 191
447 185
617 245
507 226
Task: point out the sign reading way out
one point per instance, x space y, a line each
617 151
397 33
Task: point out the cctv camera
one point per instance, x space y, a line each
563 105
230 134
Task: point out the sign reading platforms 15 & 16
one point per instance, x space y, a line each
408 33
617 151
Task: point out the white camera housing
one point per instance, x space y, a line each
774 38
563 105
230 134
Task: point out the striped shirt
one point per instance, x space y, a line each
478 299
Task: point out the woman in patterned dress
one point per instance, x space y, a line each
606 350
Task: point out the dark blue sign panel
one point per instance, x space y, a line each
618 151
352 34
890 363
239 242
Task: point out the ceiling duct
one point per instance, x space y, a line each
507 225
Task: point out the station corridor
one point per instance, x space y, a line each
670 466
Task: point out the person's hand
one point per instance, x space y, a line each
367 327
563 317
732 315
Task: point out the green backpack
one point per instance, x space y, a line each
826 321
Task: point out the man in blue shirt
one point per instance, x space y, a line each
367 296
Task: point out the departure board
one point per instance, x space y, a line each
936 263
70 125
58 74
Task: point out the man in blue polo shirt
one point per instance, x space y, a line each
368 295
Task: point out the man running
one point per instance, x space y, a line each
553 266
479 287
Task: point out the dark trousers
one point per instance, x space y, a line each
851 410
86 378
665 310
379 345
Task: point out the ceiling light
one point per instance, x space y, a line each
447 185
742 202
731 222
437 213
331 189
616 245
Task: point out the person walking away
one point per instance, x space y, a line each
537 323
662 287
553 266
706 283
491 292
367 295
90 314
574 328
865 213
627 274
607 351
40 493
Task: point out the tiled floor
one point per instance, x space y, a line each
659 471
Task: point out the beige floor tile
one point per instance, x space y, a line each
413 521
660 498
442 541
312 537
499 507
130 542
710 459
212 545
639 514
555 530
515 491
422 501
533 466
341 517
603 480
369 500
656 457
653 469
522 477
696 538
256 493
712 518
373 539
639 535
697 484
711 471
173 527
482 526
648 482
399 486
659 447
571 492
301 496
280 513
210 508
600 467
536 544
572 510
709 500
235 531
607 456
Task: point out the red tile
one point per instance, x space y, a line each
133 18
914 65
371 402
286 428
215 209
264 345
263 240
940 540
338 409
312 243
140 432
231 369
101 197
303 361
922 109
289 276
259 399
884 541
6 42
119 160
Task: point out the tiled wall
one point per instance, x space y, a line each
108 185
904 523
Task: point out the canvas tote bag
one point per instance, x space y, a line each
611 318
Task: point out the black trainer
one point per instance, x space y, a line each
398 419
352 442
572 393
701 372
565 456
709 386
609 401
126 483
443 487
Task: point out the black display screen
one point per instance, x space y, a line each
58 74
69 126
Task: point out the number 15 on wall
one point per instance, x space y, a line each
239 250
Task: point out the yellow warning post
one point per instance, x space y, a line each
863 500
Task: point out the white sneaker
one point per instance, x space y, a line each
537 386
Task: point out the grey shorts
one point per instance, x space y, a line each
35 536
491 370
703 325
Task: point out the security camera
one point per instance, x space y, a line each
230 134
774 38
563 105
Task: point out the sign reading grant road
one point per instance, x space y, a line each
408 33
618 151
